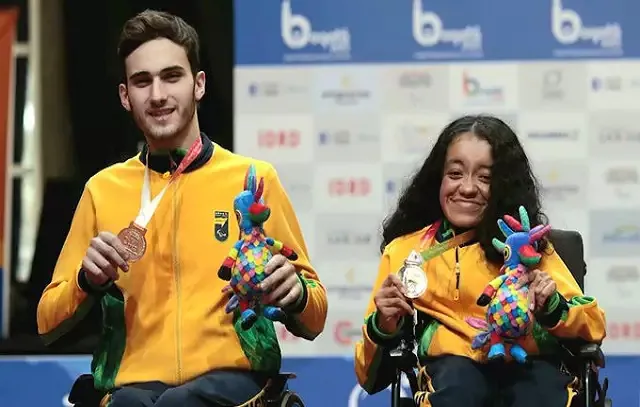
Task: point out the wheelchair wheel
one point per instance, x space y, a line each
290 399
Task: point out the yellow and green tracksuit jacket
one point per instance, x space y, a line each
164 320
569 314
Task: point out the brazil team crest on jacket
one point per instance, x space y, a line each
221 225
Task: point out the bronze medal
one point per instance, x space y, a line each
132 237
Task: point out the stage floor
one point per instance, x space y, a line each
45 381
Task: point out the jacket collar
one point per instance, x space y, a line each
169 161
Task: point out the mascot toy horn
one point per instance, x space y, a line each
244 267
508 318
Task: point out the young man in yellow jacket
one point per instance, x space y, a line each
150 234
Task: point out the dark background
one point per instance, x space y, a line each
102 133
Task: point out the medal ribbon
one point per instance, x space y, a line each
437 249
148 206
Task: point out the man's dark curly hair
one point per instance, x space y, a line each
512 185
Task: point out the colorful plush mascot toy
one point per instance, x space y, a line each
508 318
244 267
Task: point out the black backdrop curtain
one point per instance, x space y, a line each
103 132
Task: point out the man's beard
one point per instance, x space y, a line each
166 132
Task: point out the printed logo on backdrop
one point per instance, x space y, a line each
356 139
349 187
306 43
396 178
340 90
347 93
348 287
297 183
477 91
552 89
416 85
578 38
614 233
563 184
416 139
629 330
273 89
613 135
278 138
549 86
623 181
346 333
615 140
439 41
613 83
623 279
344 187
346 137
552 135
344 237
416 88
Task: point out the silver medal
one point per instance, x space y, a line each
413 277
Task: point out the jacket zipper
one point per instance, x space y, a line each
456 294
176 273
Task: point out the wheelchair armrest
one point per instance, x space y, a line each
83 392
277 385
592 352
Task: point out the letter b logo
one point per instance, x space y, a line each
427 26
566 24
295 28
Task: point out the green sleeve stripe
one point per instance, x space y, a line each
372 378
294 323
381 334
68 324
553 303
297 328
582 300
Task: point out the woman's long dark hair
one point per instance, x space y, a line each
512 185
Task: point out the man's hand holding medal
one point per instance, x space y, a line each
106 253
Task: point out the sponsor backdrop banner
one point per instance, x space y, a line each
346 98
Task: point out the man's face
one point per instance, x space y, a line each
160 91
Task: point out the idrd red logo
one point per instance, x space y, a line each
278 138
356 186
346 333
623 330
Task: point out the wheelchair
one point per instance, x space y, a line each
582 360
275 394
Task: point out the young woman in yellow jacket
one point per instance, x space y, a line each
476 173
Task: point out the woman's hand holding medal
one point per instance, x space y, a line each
105 255
392 304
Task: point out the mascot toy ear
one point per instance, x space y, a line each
250 179
258 193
